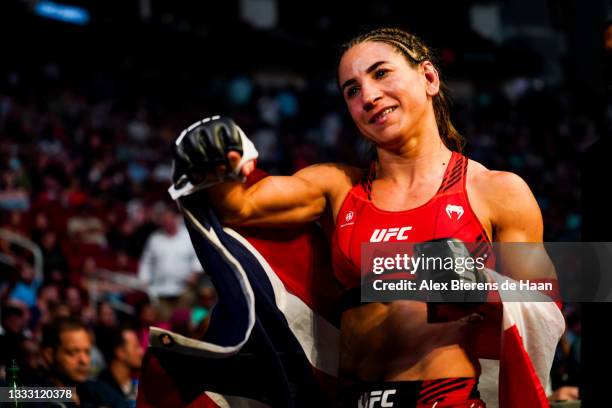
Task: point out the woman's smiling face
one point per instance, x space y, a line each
386 96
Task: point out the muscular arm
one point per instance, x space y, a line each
516 218
281 200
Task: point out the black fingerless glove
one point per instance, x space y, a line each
202 147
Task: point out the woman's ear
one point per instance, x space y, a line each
432 79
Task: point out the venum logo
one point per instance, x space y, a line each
384 234
375 399
454 209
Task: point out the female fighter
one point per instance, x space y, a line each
419 186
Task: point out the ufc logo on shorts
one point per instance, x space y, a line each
384 235
376 399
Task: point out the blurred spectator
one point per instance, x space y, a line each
72 296
146 316
86 228
26 288
78 303
14 318
66 349
60 310
31 362
123 355
39 227
200 314
55 265
130 234
169 265
16 223
47 299
106 323
12 195
107 318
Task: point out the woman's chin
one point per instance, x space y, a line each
385 136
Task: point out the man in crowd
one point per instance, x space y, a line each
66 348
169 265
123 355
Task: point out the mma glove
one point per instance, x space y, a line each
455 249
202 148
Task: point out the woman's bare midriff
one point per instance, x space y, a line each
394 342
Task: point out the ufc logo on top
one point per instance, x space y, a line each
385 234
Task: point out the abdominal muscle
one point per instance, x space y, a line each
394 342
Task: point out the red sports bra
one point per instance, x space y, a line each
447 214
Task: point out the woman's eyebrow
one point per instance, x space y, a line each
370 69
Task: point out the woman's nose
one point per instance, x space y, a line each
371 94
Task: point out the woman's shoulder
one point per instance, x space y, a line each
496 184
334 179
507 201
331 175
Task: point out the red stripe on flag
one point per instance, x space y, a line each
519 385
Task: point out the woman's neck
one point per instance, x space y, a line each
413 159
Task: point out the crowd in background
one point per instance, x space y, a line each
84 176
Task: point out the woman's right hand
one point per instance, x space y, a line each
234 159
212 145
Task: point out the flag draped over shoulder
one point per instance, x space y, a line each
273 337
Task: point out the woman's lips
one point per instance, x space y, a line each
382 114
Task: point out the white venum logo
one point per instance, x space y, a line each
454 209
349 216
